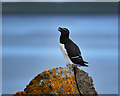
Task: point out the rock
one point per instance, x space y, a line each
85 82
60 81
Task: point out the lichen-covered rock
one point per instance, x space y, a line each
59 81
85 82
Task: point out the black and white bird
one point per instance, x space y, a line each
70 50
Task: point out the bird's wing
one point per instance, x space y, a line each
77 57
72 49
79 60
74 53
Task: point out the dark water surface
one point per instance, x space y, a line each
31 45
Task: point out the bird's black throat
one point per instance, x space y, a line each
64 39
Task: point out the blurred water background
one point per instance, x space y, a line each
31 45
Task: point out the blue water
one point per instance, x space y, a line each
31 45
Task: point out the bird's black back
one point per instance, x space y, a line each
72 50
70 46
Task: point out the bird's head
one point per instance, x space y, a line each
64 31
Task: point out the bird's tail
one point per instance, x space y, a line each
85 64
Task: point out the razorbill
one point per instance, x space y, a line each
70 50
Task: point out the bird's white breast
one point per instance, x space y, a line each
62 47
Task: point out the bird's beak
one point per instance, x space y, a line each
60 29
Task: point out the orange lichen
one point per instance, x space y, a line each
20 93
50 82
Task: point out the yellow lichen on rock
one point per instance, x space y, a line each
53 81
60 81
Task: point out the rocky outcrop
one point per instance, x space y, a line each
60 81
85 82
